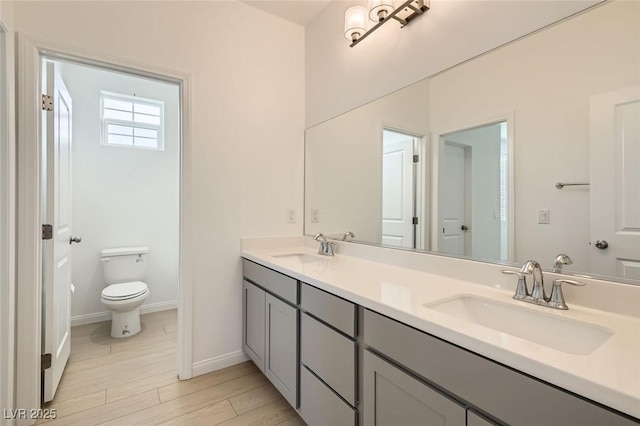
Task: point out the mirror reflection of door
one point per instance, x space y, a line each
473 216
615 199
456 199
399 189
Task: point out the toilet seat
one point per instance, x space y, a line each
124 291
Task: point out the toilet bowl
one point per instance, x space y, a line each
124 268
124 300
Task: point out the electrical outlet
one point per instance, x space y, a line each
291 215
315 216
543 217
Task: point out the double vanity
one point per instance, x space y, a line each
351 341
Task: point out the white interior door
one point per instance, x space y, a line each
615 183
453 201
398 194
57 251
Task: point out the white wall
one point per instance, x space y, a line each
7 211
247 123
344 162
122 196
546 81
340 78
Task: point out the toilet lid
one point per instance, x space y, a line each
124 290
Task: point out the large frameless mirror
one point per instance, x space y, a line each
525 152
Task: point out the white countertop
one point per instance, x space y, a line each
609 375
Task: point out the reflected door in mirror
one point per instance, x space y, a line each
615 196
399 207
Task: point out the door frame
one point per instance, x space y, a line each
438 152
7 224
30 53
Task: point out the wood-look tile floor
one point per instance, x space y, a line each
133 381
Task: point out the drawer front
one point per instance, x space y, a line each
275 282
319 406
331 356
468 376
329 308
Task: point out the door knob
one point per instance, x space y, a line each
74 240
602 244
464 227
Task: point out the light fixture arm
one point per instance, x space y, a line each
416 8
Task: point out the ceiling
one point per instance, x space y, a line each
300 12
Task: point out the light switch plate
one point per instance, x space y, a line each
543 217
291 215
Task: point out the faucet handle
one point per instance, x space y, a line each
557 298
510 272
522 291
572 282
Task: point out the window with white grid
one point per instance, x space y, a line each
130 121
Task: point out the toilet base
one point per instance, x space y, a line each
125 324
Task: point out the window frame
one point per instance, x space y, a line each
104 122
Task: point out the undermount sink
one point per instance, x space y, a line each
300 257
562 334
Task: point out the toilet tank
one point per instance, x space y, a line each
124 264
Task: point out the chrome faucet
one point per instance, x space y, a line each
531 267
537 295
560 261
326 248
348 234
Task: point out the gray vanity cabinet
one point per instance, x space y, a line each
253 322
339 364
477 382
394 398
270 326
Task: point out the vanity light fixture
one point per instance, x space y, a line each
355 23
380 11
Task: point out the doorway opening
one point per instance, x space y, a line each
401 194
110 205
474 193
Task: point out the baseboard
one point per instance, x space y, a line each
157 307
106 315
90 318
218 362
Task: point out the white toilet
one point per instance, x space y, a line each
124 268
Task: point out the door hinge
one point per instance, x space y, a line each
416 158
415 220
45 361
47 103
47 232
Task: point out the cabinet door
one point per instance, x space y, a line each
394 398
253 327
281 357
